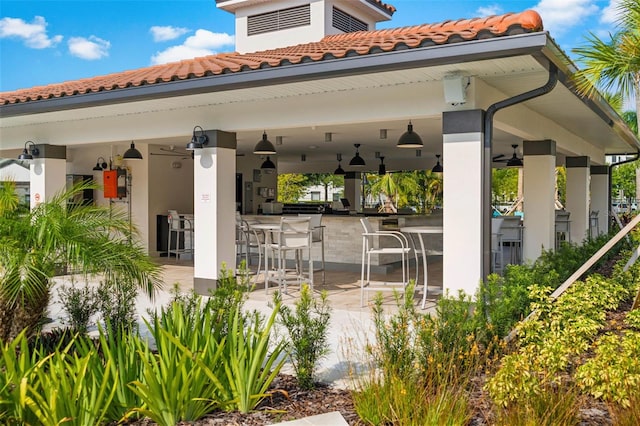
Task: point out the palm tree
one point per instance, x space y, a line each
614 65
35 244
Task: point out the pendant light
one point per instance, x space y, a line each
132 153
268 164
264 146
438 167
382 169
339 170
357 161
409 139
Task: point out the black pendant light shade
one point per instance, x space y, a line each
198 141
264 147
382 169
100 165
28 153
514 161
132 153
357 161
268 164
438 167
409 139
339 170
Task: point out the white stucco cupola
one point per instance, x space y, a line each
263 25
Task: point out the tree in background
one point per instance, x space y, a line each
386 187
425 190
326 180
613 65
505 184
291 187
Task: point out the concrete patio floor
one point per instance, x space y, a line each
350 325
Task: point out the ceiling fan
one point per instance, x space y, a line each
514 161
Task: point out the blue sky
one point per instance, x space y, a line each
47 41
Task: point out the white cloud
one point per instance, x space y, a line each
89 48
493 9
33 34
203 43
166 33
559 16
611 13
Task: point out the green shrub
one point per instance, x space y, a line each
117 304
17 363
251 362
71 389
174 383
614 373
80 304
307 327
118 351
554 337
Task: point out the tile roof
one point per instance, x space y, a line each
330 47
387 7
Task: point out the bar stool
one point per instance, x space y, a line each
594 223
183 230
247 242
317 236
371 247
497 255
563 227
293 235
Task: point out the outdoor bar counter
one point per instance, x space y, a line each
343 236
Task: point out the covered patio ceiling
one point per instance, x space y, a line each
352 107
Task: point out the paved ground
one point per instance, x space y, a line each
350 323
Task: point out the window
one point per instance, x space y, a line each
315 195
279 20
347 23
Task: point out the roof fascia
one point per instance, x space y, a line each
314 70
566 69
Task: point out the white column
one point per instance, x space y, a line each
600 196
577 204
539 197
48 173
353 190
214 209
462 154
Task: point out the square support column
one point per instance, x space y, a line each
539 197
353 190
600 196
463 203
214 209
578 174
48 173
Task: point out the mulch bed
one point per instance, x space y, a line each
288 402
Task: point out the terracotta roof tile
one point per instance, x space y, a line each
333 46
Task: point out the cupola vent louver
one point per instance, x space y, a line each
279 20
347 23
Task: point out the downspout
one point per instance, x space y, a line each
488 137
